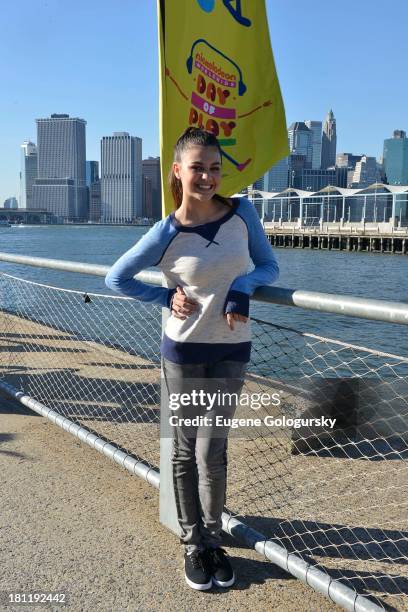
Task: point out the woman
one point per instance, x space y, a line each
204 249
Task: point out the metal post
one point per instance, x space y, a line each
301 212
168 511
392 220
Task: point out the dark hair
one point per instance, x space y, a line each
189 138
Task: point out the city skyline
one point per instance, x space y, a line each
44 78
126 194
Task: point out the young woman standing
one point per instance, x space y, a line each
213 253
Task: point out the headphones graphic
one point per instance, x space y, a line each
207 5
241 85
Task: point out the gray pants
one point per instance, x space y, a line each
199 457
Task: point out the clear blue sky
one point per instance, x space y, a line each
97 59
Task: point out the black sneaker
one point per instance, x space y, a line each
220 567
197 571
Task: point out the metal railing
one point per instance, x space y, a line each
335 499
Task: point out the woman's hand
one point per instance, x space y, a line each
232 317
181 305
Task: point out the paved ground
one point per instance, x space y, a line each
73 521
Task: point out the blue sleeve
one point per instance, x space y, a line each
146 253
266 269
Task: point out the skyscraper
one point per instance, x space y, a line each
259 184
364 174
151 171
147 197
347 160
309 179
95 201
93 193
316 128
10 203
91 172
60 187
28 173
396 158
297 163
329 141
300 141
121 178
277 178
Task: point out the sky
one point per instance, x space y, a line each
98 60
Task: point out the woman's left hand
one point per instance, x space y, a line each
232 317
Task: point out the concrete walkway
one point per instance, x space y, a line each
74 522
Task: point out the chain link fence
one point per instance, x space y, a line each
335 495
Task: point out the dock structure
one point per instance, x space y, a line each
373 219
338 240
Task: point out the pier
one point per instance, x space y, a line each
337 239
373 219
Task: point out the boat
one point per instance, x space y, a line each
4 223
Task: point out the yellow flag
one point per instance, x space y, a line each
217 72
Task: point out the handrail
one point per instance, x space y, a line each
347 305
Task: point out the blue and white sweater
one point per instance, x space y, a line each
212 262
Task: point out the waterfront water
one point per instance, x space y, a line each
360 274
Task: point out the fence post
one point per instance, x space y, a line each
168 512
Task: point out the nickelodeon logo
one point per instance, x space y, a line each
212 100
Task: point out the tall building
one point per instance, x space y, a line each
347 160
152 199
28 173
341 176
91 172
147 197
364 174
259 184
10 203
300 141
316 128
92 177
60 187
95 201
329 141
277 178
297 163
395 158
345 166
314 180
121 178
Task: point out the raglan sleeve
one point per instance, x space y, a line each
266 269
144 254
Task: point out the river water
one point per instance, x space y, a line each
371 275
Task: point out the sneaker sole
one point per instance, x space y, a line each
224 584
198 587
